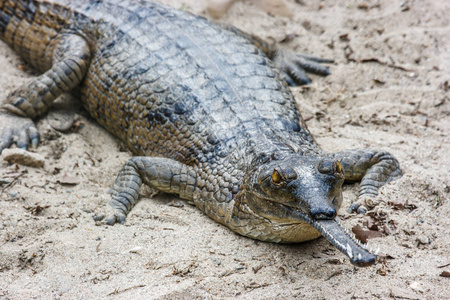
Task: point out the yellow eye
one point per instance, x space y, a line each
338 166
276 177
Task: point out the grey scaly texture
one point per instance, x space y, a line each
205 109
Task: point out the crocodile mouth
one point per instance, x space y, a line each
342 239
345 242
332 229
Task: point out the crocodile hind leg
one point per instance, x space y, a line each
292 66
70 61
163 174
373 168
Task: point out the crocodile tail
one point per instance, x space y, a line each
12 14
27 26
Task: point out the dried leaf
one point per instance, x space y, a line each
36 209
344 37
369 223
445 274
402 205
364 235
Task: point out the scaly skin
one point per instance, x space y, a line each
200 105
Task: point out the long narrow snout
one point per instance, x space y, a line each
339 236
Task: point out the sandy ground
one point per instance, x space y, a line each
389 90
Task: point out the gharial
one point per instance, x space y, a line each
205 108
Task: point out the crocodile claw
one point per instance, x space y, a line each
113 215
115 218
358 208
111 218
17 129
294 67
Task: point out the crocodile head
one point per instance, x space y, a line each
305 189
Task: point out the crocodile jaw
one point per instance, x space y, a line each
273 229
345 242
341 238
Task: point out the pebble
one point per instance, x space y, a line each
136 249
416 286
217 261
23 157
423 239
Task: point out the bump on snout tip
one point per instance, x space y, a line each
365 260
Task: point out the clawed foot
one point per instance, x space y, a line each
113 216
294 66
16 129
362 205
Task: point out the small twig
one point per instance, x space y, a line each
257 268
10 183
350 51
383 63
255 285
118 291
443 266
339 272
31 268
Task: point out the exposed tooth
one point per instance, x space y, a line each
370 250
376 251
359 256
349 251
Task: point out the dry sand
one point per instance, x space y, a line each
389 90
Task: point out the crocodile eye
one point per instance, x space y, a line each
338 166
276 177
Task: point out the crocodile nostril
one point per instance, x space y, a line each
329 167
327 213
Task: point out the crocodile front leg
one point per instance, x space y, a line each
70 60
163 174
373 168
